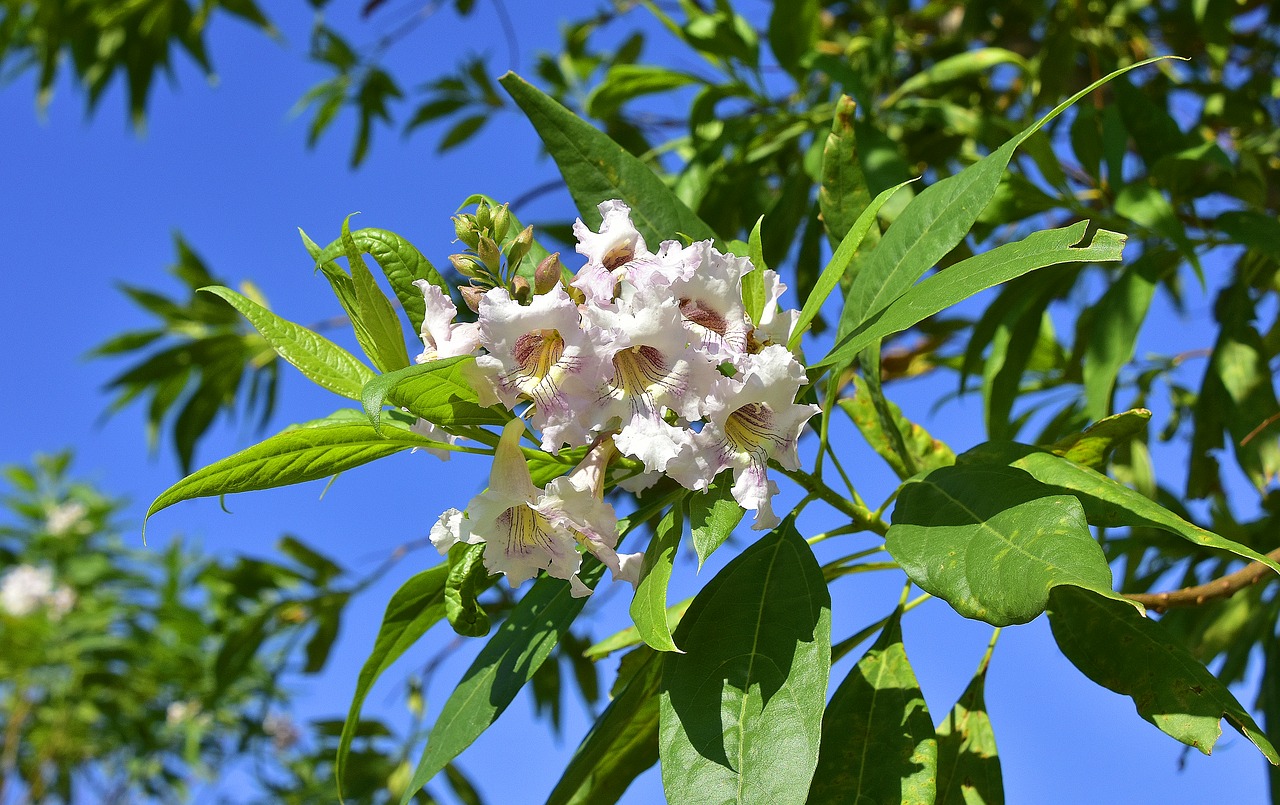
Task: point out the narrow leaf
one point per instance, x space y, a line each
878 743
927 453
844 193
1124 652
741 712
649 606
384 336
322 361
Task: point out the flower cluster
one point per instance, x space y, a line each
27 588
651 353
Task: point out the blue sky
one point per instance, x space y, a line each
88 204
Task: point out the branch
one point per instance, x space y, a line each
1224 587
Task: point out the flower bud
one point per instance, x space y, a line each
468 265
501 222
489 254
548 273
464 226
521 291
484 216
471 296
519 248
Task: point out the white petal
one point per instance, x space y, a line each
449 530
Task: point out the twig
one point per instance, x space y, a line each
1224 587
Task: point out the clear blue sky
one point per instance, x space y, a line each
87 204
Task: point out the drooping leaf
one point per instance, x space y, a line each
968 765
1092 446
977 273
1119 649
992 541
649 606
1106 502
878 744
596 169
956 67
624 82
323 362
438 391
741 712
622 743
713 515
467 579
293 457
1113 330
415 608
509 660
927 453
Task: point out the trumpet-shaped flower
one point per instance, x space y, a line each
756 420
617 243
526 529
441 337
710 299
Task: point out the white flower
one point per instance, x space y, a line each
775 325
617 243
27 588
538 352
178 712
432 431
710 299
281 730
441 338
65 517
756 420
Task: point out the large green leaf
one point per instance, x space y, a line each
934 223
622 743
992 541
968 277
1122 651
596 169
1106 502
878 745
741 712
438 391
401 262
416 607
509 660
649 606
292 457
323 362
968 765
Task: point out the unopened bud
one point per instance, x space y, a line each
464 226
521 291
468 266
471 296
519 248
489 254
501 222
484 216
548 273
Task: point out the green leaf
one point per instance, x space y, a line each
844 193
1147 206
934 222
839 264
438 391
326 614
630 636
649 606
1124 652
878 744
383 336
968 277
1106 502
293 457
625 82
992 541
713 515
1113 328
323 362
467 579
962 65
509 660
927 453
968 765
622 743
741 712
793 29
596 168
402 264
753 297
416 607
1092 446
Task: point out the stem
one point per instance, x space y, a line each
860 516
1199 594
